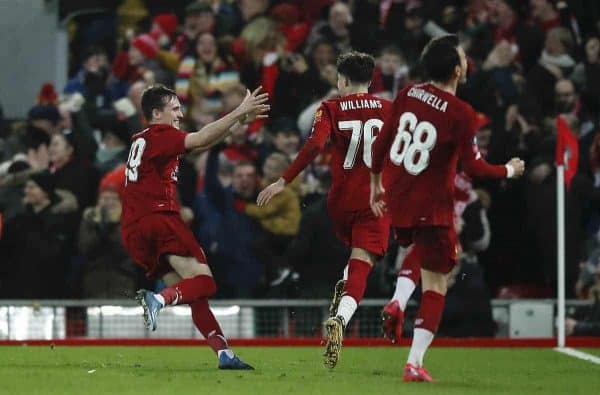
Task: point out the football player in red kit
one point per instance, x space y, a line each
428 133
153 232
346 127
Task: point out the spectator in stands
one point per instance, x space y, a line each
248 11
586 76
414 37
164 27
90 80
336 29
108 272
587 320
261 42
44 117
555 63
302 80
226 234
280 221
69 171
544 14
316 254
36 142
471 213
202 78
566 98
588 269
286 139
114 147
140 62
199 19
239 145
11 188
37 245
390 73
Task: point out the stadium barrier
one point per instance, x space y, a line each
261 322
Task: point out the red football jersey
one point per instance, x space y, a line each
151 172
419 147
346 128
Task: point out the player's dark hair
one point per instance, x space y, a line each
440 57
155 97
356 66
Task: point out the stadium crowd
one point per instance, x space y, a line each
61 169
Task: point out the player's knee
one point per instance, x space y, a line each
434 281
363 255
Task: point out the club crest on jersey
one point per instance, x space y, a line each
318 115
476 148
174 173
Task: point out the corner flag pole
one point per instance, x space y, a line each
560 215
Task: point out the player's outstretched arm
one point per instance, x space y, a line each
313 146
473 162
376 200
252 107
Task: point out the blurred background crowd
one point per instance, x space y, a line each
61 168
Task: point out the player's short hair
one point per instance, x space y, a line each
440 57
155 97
356 66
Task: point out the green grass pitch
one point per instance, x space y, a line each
289 370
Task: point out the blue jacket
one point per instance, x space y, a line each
224 231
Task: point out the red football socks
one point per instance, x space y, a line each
189 290
207 324
411 266
430 312
358 272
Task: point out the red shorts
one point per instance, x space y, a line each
362 229
435 247
152 237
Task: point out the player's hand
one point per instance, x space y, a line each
377 194
518 166
266 194
253 106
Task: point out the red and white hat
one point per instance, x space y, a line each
146 45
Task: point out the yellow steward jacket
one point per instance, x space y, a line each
281 216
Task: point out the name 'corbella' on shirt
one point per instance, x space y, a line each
428 98
360 103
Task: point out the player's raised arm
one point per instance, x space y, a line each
476 166
313 146
252 107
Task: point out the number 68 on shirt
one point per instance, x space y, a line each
412 144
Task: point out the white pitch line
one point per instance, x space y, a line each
578 354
